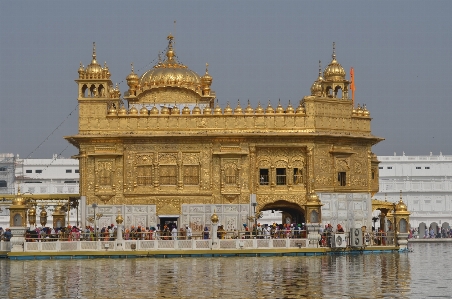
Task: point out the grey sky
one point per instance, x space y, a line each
256 50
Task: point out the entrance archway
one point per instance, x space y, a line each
291 212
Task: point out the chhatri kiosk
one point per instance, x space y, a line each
165 151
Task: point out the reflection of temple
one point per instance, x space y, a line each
166 152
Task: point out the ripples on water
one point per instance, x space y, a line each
425 272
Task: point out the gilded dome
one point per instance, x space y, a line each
249 109
18 199
175 110
279 109
300 109
164 110
133 111
238 109
94 68
217 109
207 110
316 88
171 73
401 207
154 110
112 110
290 109
228 109
196 110
365 111
186 110
313 197
359 111
334 71
122 110
144 110
207 78
259 109
269 108
81 69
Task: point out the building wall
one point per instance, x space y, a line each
43 176
425 183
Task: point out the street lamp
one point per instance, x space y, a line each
94 206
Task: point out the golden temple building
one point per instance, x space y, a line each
166 151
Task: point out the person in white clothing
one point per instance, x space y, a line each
188 232
174 232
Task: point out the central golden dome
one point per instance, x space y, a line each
170 73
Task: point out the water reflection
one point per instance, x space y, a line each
388 275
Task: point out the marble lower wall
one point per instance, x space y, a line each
196 216
351 210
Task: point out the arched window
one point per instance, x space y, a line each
3 184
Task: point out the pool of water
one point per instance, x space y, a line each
426 272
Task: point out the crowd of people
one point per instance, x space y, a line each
431 233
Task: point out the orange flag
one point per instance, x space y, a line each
352 84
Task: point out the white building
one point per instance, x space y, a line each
47 176
7 177
41 176
426 185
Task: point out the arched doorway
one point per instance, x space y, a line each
291 212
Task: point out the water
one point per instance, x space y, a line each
424 273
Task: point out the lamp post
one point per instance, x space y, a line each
94 206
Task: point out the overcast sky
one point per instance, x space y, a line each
256 50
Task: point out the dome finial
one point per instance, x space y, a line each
207 68
170 53
132 66
94 50
320 68
334 50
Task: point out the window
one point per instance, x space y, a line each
389 167
76 171
280 176
168 174
418 167
263 176
373 175
381 167
230 176
68 170
2 168
191 175
427 167
28 171
342 178
3 184
144 175
38 171
297 176
70 182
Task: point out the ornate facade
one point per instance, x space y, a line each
165 151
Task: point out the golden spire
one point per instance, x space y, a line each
334 51
320 69
94 53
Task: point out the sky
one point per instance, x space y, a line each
256 50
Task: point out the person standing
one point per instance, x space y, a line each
188 232
174 232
